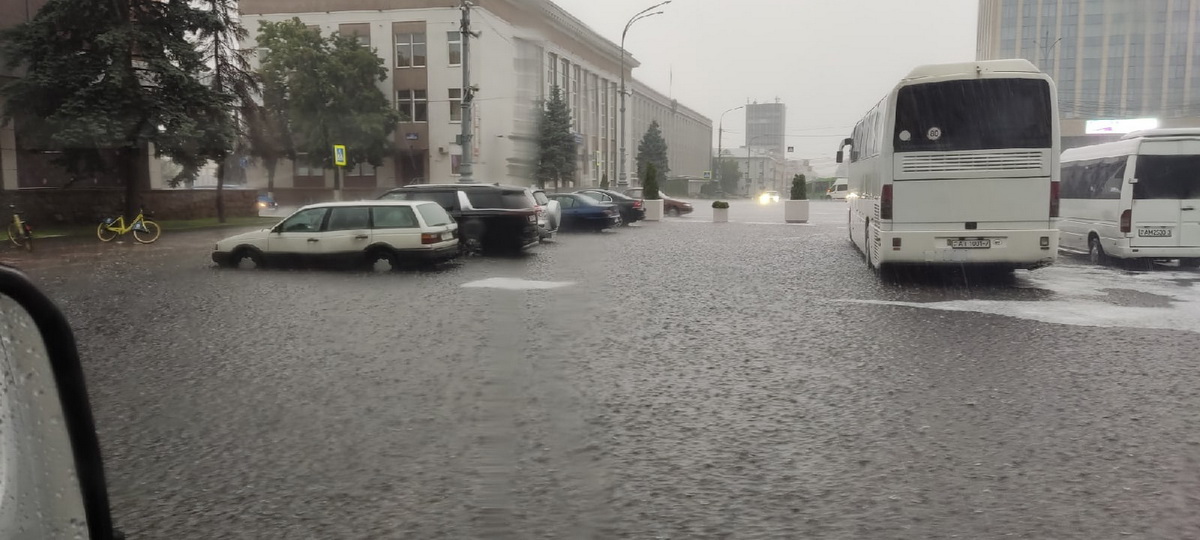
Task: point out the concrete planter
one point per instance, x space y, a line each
654 209
795 211
720 215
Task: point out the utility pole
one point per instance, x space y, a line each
623 178
720 136
465 168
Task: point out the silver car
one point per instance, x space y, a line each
549 214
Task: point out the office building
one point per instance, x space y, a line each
526 48
1112 60
766 126
687 132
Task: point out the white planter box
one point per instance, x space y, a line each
654 209
720 215
795 211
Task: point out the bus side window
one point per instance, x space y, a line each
1113 172
1072 185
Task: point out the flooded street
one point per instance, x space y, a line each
670 380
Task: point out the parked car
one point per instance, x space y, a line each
631 209
580 211
671 206
491 217
549 214
381 234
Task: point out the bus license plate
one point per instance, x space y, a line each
974 243
1155 233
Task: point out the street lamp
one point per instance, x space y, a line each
720 136
623 179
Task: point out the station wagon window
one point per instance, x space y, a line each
396 217
349 218
304 221
434 215
1167 177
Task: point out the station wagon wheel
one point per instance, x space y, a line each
1096 251
383 260
246 259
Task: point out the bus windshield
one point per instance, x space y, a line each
979 114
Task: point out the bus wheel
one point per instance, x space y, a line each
1096 251
1193 262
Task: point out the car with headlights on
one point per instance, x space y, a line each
382 235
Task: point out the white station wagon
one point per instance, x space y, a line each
380 234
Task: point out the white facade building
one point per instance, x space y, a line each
526 47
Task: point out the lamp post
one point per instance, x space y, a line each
720 137
623 179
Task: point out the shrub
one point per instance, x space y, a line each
720 204
799 188
650 183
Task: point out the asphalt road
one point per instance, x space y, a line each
681 379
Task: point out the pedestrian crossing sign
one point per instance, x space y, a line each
339 155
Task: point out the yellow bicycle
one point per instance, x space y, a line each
20 233
144 230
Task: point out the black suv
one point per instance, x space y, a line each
491 217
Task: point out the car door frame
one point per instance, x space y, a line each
343 245
305 241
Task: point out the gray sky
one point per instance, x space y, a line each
828 60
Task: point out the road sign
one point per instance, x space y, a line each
339 155
708 175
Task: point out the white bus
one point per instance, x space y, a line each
958 164
1136 198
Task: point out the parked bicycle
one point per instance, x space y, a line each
20 232
144 230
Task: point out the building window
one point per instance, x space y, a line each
454 41
410 50
364 40
413 104
362 169
565 85
303 168
551 72
455 104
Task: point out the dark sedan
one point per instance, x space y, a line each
580 211
631 209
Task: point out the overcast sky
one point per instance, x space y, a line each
828 60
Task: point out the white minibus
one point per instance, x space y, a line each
1136 198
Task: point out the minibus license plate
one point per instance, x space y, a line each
1155 233
974 243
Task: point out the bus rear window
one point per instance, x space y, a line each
980 114
1167 177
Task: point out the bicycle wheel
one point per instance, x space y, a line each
147 233
104 233
16 235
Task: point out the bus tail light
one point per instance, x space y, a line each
1054 199
1127 221
885 202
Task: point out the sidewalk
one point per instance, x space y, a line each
74 232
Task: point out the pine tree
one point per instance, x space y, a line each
235 83
650 182
556 143
106 79
653 150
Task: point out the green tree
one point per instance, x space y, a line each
653 150
730 174
650 182
556 143
799 188
235 83
331 94
268 133
106 79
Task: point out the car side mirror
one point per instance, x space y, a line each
54 468
840 156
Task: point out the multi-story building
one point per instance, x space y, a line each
766 126
526 48
687 132
1110 59
12 13
761 169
